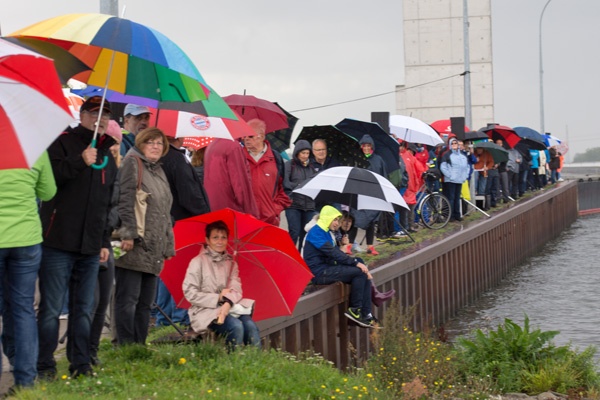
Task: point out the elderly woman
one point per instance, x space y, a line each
137 270
212 286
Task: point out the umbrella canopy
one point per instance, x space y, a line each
340 147
413 130
475 135
250 107
499 154
33 110
532 137
138 61
280 139
385 145
179 123
551 140
501 132
197 143
271 269
444 126
355 187
67 65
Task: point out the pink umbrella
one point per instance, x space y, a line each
250 107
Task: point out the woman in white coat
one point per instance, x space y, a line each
212 285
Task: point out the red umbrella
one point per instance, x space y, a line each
197 143
442 126
502 132
33 109
250 107
271 270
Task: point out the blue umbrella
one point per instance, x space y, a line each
532 138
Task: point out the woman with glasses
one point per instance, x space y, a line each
146 240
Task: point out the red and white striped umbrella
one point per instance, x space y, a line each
33 110
177 123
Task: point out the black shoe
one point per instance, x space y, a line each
85 370
95 360
47 375
459 219
353 314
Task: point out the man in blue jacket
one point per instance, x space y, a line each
329 265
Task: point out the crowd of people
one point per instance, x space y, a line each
60 217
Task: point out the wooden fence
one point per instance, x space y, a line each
439 279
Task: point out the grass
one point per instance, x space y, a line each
206 370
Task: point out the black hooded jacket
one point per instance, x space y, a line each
297 173
74 220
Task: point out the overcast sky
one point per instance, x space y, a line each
314 53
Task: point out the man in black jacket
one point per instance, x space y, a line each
75 238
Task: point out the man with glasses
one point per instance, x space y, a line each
135 120
319 159
75 238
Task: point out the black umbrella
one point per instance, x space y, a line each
385 146
499 154
280 140
476 135
341 147
355 187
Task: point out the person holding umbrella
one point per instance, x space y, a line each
329 265
213 287
75 239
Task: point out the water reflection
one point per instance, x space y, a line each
558 289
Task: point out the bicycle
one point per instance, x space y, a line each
433 207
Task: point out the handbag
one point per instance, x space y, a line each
140 204
243 307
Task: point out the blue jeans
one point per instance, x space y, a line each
480 183
238 330
79 273
296 220
19 268
165 301
360 285
452 191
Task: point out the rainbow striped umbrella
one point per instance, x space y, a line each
145 63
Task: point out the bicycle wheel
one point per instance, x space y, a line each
435 211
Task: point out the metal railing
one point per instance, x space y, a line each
439 279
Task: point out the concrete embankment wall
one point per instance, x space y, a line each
440 278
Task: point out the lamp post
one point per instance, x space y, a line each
542 128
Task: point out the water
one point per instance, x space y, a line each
559 289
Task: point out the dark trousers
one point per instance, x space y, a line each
513 183
104 290
134 294
452 192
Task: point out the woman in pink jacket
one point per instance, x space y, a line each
212 285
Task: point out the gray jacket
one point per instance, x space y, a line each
148 253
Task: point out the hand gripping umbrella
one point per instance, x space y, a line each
127 58
272 270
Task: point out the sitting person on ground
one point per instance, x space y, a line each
329 265
212 285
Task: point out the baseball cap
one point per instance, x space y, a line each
134 109
93 104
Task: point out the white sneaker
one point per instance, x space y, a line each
356 248
560 180
399 234
63 316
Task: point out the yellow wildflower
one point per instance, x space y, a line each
182 361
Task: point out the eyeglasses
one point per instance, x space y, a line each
155 143
94 114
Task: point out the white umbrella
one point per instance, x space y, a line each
358 188
413 130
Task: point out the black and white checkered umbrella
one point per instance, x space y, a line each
358 188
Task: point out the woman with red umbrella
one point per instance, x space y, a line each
213 287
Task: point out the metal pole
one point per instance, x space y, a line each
542 127
110 7
467 72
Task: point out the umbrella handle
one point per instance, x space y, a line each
104 162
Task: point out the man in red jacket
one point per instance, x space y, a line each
266 171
